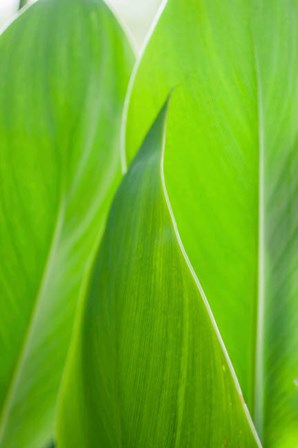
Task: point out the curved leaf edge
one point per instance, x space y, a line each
198 283
123 152
80 316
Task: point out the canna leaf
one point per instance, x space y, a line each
148 368
231 170
63 76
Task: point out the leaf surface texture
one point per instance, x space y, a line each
148 368
64 72
231 171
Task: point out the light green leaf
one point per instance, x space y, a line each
231 170
63 76
148 368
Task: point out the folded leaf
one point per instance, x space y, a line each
148 368
63 76
231 170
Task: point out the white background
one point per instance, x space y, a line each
138 14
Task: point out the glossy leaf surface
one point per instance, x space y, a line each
63 76
231 170
148 368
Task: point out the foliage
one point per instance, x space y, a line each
60 110
230 161
158 352
191 299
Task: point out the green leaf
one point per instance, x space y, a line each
64 72
148 368
231 170
22 3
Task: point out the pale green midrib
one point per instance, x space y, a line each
80 306
19 362
258 384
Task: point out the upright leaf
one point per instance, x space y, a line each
231 169
148 368
63 76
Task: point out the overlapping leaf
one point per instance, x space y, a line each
231 169
148 368
63 76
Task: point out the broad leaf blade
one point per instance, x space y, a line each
230 161
64 72
148 367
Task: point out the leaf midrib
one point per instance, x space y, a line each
22 355
258 383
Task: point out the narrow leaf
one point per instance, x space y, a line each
148 368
